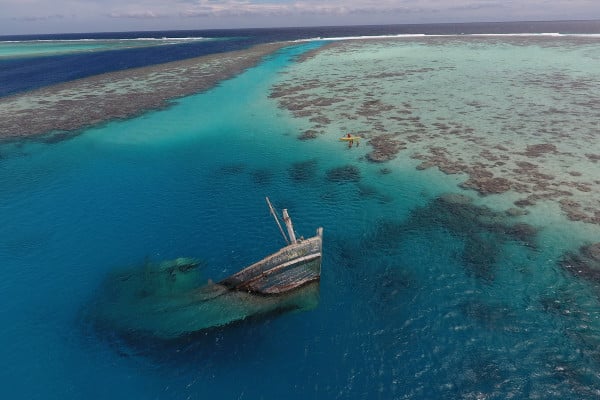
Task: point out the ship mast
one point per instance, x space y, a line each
274 214
289 225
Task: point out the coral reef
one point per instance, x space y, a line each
346 173
584 263
75 105
435 110
482 230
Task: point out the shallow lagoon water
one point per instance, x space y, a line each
419 299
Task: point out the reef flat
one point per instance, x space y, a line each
65 108
516 115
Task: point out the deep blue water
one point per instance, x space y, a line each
17 75
419 299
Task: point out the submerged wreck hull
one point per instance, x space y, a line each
167 301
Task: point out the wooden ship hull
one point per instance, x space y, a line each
166 300
291 267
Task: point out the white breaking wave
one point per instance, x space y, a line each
365 37
417 35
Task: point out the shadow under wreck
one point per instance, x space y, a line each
167 300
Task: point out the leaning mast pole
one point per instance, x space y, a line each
274 214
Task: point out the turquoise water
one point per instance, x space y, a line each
419 299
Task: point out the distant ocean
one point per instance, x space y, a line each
25 74
429 289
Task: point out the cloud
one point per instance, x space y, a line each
33 18
154 9
184 14
332 8
147 14
248 8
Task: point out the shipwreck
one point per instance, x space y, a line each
169 300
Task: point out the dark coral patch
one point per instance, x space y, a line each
347 173
479 256
487 185
584 263
592 251
524 202
593 157
303 171
482 230
308 134
536 150
576 212
521 231
262 176
385 148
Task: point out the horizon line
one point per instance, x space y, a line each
302 27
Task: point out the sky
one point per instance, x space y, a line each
72 16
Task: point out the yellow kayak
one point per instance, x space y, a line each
353 138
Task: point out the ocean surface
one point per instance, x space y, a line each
423 295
